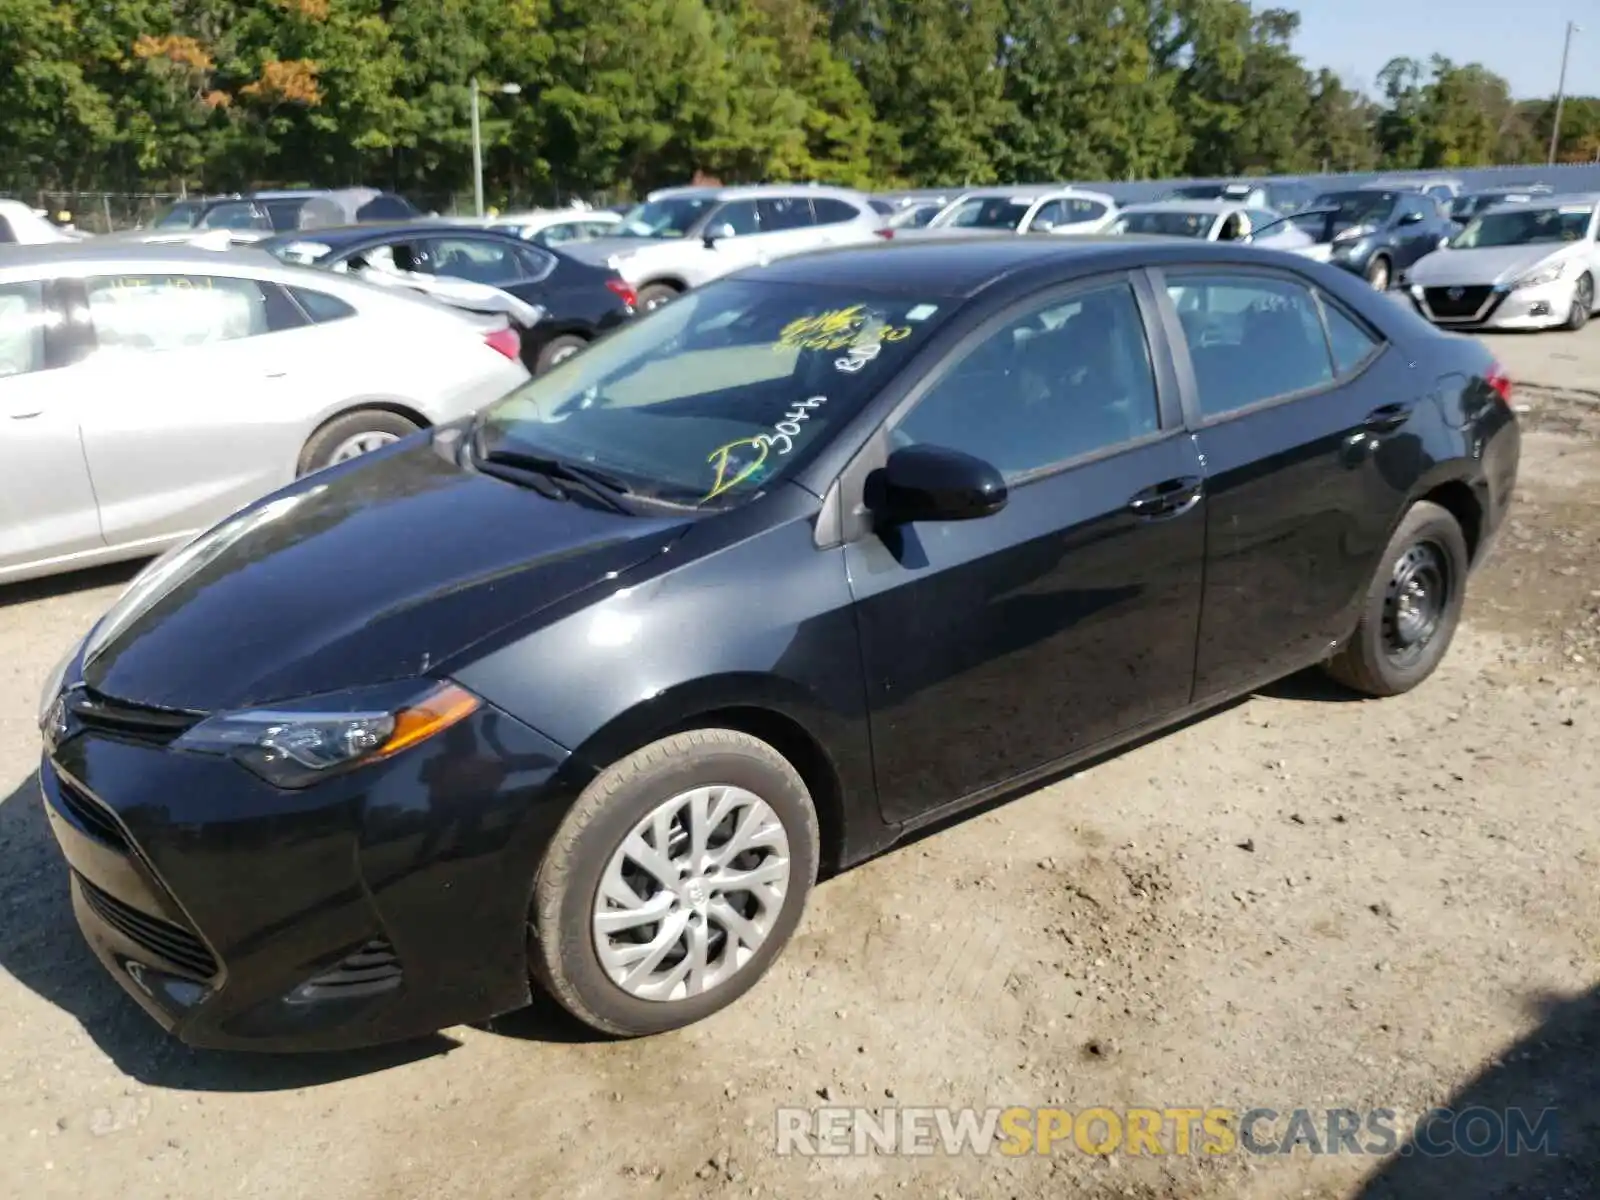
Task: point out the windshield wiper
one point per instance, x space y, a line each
554 472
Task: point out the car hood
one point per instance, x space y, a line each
602 251
1490 265
373 571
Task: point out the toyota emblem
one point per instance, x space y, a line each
1456 293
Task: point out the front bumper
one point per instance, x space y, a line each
380 905
1542 307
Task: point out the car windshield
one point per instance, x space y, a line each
1167 223
985 212
717 396
1525 227
1349 209
1196 191
183 215
672 217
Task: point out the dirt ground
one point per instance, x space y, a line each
1302 901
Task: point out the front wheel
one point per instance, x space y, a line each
1377 274
674 881
1582 303
1412 607
653 295
351 435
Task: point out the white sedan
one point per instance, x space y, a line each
1214 221
1527 265
557 227
146 392
1053 209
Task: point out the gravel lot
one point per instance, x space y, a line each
1300 901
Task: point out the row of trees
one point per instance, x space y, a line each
622 95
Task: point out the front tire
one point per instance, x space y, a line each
677 877
1377 273
1412 607
352 434
1582 303
653 295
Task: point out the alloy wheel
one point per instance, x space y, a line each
691 893
359 444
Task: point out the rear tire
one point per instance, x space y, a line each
692 789
352 434
1378 274
557 350
1412 607
654 295
1582 303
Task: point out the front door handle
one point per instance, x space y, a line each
23 416
1170 498
1387 418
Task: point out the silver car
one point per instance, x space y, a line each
1526 265
1214 221
146 392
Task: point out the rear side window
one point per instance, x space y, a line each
320 306
1251 338
784 212
1351 343
174 312
22 325
477 259
831 211
285 214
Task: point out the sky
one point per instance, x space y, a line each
1517 39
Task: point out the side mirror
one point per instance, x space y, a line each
713 236
1410 218
934 483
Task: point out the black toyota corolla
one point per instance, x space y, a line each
582 694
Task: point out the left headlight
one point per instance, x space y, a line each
1540 277
53 683
296 747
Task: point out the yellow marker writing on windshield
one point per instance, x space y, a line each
719 457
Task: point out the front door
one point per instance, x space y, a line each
47 506
996 646
1304 417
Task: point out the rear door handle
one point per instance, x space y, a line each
23 416
1170 498
1387 418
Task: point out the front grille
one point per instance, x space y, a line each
140 723
90 815
171 943
366 971
1464 304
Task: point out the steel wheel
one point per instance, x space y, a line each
1415 600
691 893
359 444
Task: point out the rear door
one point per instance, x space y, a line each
1418 228
1303 416
994 647
182 397
787 226
47 505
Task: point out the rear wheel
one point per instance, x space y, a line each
557 350
673 882
1412 606
353 434
654 295
1582 303
1377 273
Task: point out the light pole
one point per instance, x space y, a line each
1561 90
505 89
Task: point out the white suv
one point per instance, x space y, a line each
680 238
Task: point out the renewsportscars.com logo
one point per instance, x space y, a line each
1016 1131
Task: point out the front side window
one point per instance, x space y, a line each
237 215
23 317
671 217
1068 379
737 218
1250 338
1349 210
182 215
1526 227
719 395
174 312
1167 223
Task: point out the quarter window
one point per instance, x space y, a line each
1250 339
832 211
1351 344
172 312
1070 378
22 325
320 306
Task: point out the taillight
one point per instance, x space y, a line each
507 341
885 234
1497 378
624 291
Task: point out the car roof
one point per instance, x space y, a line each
121 255
962 267
1558 200
335 236
1198 206
758 191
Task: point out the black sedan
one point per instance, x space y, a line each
1375 233
581 301
815 556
